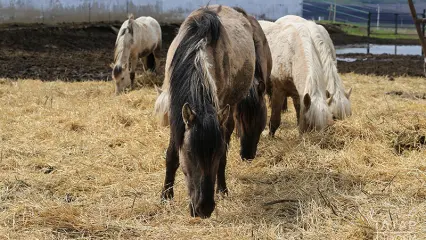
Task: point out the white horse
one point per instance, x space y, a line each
297 72
136 38
340 104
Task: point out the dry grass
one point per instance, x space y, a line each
78 162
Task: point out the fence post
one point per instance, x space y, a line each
369 26
396 23
423 24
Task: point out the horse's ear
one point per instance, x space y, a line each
307 101
223 114
327 94
159 91
130 25
261 88
348 94
188 115
114 29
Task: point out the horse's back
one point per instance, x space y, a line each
265 24
153 26
290 19
235 54
293 53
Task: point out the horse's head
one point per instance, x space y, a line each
202 148
123 45
315 113
121 75
340 105
251 120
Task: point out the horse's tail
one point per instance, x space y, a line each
162 106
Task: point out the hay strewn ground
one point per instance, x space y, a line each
77 161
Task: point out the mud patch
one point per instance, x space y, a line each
382 65
68 52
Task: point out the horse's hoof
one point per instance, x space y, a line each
167 195
247 160
223 191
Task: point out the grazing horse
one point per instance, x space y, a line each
340 104
139 37
209 68
297 72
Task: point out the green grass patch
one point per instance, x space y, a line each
385 32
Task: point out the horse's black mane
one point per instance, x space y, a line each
186 86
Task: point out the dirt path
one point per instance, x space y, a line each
77 52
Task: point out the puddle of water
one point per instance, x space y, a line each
380 49
343 59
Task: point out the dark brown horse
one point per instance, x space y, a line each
210 69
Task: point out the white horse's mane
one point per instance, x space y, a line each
319 112
341 106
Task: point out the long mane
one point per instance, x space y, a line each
333 81
119 42
315 85
191 82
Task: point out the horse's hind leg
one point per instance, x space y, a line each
221 181
296 103
285 107
150 62
172 164
157 54
276 106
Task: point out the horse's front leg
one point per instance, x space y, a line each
296 103
133 63
221 181
172 164
276 106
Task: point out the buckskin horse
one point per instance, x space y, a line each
210 69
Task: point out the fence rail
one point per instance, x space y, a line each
368 20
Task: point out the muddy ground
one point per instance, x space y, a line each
77 52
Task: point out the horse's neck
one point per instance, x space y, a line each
308 66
